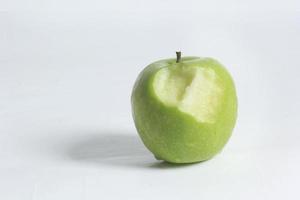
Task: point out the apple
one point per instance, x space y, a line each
184 109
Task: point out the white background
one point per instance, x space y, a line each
66 73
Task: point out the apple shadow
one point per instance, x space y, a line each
109 148
115 149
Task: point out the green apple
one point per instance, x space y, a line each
184 109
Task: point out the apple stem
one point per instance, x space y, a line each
178 56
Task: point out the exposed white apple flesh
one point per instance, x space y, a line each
193 90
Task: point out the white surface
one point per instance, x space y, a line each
66 72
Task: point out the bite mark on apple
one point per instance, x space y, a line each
193 90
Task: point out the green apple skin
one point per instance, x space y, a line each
175 136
